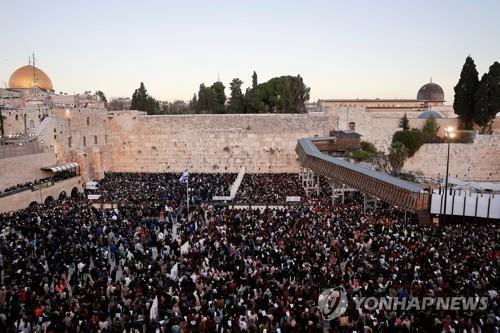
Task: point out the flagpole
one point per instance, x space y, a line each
187 189
187 197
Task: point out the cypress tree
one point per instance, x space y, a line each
404 123
254 80
464 93
487 98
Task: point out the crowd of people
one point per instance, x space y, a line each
271 188
151 191
68 267
29 185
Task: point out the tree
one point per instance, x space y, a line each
193 102
412 140
494 89
220 97
143 102
368 152
368 146
116 104
481 104
237 100
430 130
284 94
206 100
102 97
464 93
254 80
398 154
487 98
176 107
404 123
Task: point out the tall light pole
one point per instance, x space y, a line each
450 134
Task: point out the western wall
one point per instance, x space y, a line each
212 143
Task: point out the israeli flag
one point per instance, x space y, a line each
153 311
184 177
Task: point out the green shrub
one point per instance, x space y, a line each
430 130
411 139
408 176
368 146
362 155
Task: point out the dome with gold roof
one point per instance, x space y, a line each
28 77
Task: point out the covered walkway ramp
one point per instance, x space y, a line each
405 195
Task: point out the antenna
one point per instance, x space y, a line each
34 75
431 79
218 78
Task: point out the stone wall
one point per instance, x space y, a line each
24 169
378 127
212 143
479 161
83 136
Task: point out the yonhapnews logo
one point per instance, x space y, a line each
332 302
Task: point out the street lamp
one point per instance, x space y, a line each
450 134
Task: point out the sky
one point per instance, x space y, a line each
342 49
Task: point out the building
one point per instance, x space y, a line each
377 119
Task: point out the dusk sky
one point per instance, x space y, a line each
342 49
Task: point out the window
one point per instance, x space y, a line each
352 126
84 141
105 138
95 139
69 142
32 123
88 121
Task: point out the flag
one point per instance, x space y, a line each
153 311
174 272
184 177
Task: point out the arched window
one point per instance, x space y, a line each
32 123
84 141
88 121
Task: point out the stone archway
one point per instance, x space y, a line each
74 192
49 199
63 195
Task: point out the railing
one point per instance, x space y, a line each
37 185
19 190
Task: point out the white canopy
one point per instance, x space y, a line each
62 167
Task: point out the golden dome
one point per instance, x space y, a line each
22 78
